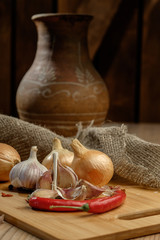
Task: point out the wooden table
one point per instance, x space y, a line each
149 132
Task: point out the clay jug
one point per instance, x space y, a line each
62 87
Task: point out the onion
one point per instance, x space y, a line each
65 156
91 165
8 158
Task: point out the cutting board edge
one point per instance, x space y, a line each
140 232
27 227
122 234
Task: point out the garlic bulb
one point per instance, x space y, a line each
8 158
91 165
26 174
65 157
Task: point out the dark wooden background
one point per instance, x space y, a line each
124 45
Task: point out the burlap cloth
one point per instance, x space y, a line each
134 159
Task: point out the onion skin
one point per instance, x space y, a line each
91 165
65 157
9 157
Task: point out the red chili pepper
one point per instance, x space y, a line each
6 195
98 205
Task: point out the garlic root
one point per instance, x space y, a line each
91 165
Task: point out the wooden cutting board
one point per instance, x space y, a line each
138 216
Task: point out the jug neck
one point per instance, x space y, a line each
62 32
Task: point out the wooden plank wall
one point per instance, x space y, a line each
124 45
150 70
117 59
5 53
18 39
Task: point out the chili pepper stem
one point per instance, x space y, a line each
84 207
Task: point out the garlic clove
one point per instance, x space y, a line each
92 190
8 158
77 193
91 165
65 157
66 177
28 172
45 181
109 191
44 193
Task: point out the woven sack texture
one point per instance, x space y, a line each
134 159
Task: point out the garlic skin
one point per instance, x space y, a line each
26 173
44 193
92 191
66 177
65 157
78 193
9 157
91 165
45 181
